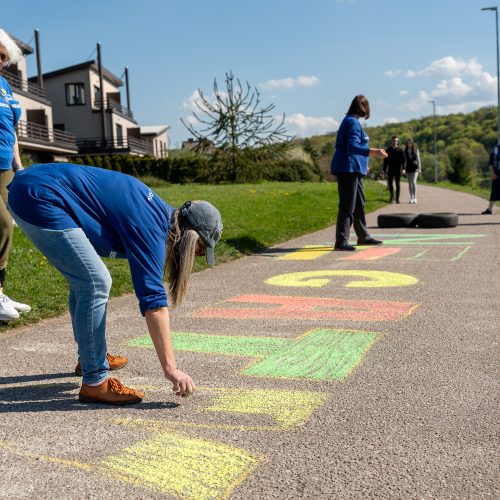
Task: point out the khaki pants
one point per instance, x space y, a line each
6 225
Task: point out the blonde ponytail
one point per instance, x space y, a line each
181 250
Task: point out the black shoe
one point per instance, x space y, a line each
487 211
370 241
344 247
397 201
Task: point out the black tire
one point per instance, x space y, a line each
444 219
397 220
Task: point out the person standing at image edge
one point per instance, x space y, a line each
393 167
10 161
413 168
494 164
350 166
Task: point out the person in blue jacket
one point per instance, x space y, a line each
10 161
73 214
350 166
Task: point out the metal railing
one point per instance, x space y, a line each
98 145
40 133
24 85
115 106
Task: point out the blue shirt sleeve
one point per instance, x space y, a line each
146 251
356 141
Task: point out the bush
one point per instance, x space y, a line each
183 169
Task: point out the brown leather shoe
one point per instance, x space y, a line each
110 392
115 363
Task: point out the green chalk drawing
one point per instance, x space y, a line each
428 239
231 346
321 354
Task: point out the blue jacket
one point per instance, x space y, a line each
351 148
10 112
119 214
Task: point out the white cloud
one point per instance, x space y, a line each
190 102
454 87
450 67
391 119
290 82
392 72
301 125
403 93
456 84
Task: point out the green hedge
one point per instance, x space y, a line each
183 170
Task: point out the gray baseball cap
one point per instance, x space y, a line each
205 219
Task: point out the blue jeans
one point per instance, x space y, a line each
72 254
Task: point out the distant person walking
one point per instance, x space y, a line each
494 164
350 166
73 214
393 166
10 161
412 167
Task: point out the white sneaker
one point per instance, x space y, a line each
415 201
25 308
7 311
411 201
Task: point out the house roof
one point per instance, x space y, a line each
154 129
25 48
88 64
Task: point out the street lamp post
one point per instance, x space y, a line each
435 141
498 66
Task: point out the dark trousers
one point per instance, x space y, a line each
391 178
351 208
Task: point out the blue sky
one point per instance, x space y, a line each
308 57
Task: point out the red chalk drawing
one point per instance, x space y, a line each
307 308
372 253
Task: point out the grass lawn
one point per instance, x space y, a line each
255 216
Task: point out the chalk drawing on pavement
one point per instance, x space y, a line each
392 246
308 252
318 279
308 308
372 253
320 354
174 463
169 462
264 409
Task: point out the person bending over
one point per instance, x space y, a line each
74 214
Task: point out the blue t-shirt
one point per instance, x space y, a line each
119 214
351 148
8 120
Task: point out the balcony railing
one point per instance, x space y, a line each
98 145
115 106
24 85
42 134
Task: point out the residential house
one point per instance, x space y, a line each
102 124
157 137
35 132
205 146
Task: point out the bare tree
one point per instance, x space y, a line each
237 125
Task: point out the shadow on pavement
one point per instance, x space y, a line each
480 224
57 397
34 378
245 244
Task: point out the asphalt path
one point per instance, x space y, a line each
320 374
